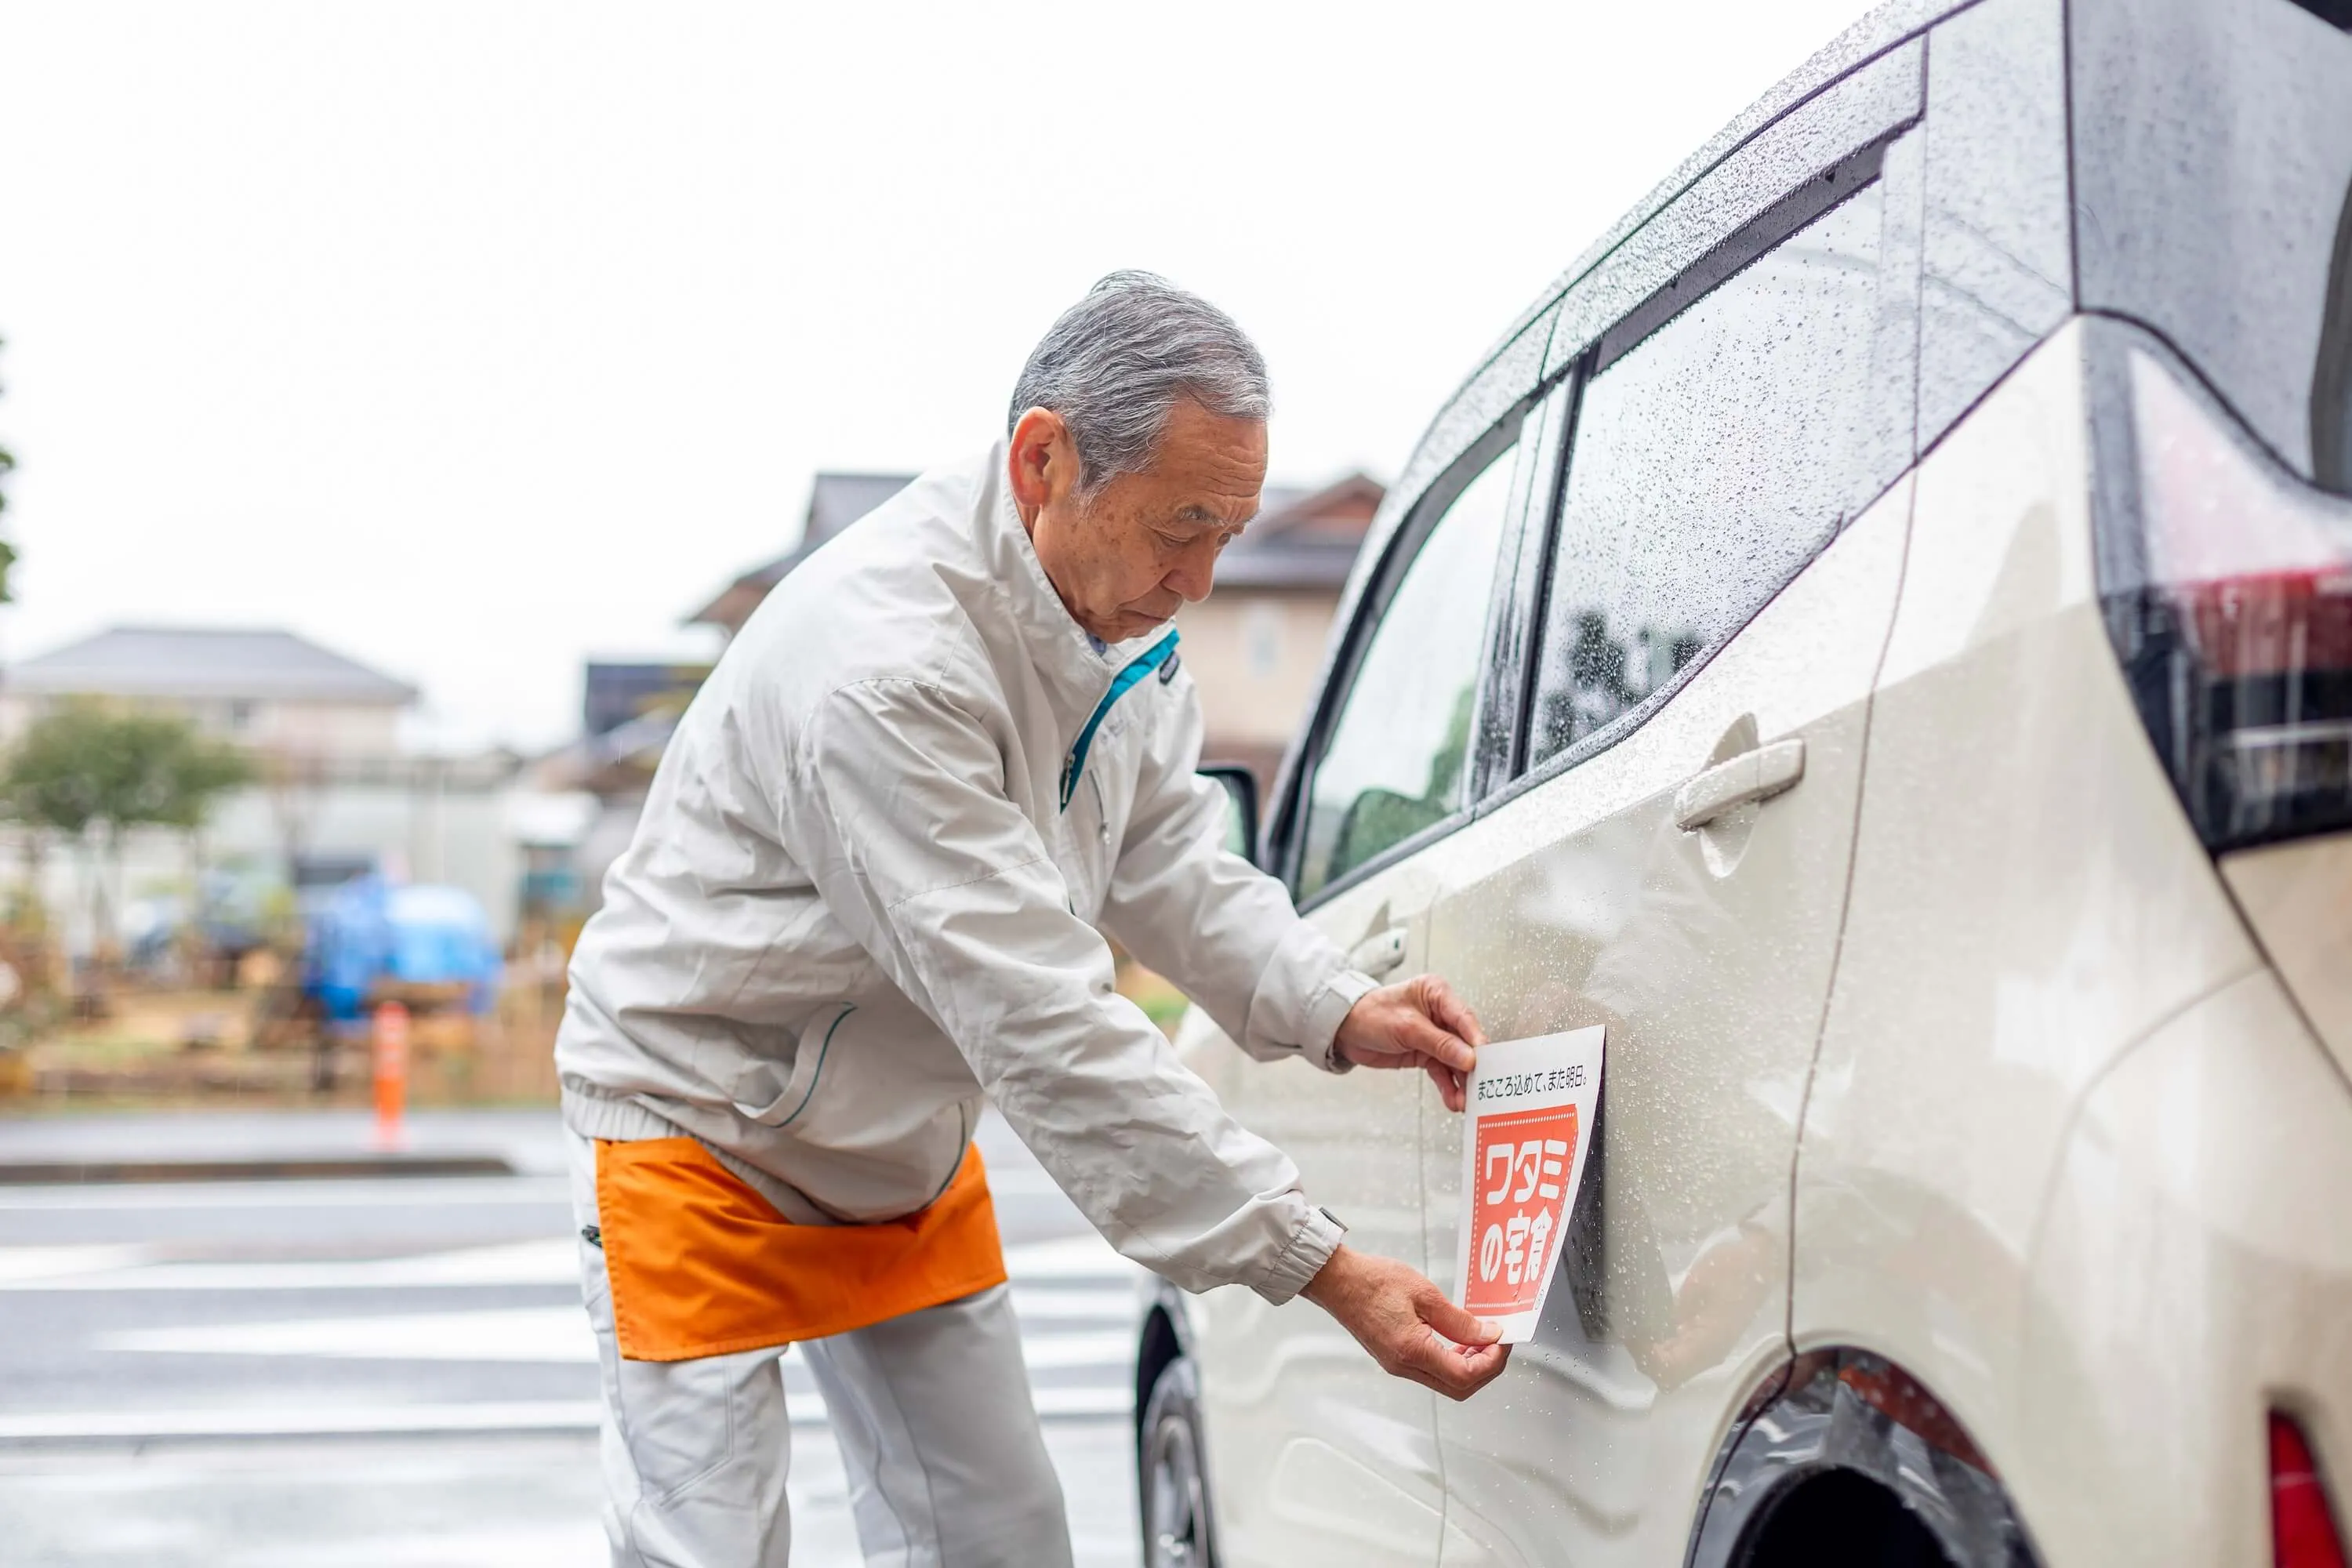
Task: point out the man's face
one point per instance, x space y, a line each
1125 558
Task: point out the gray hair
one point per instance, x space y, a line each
1115 363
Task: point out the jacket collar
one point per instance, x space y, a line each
1076 670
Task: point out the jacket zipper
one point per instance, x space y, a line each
1138 667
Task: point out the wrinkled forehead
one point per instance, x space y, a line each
1208 469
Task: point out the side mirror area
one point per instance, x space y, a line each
1240 785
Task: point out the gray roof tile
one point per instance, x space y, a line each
194 662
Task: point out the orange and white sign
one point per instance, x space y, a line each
1523 1157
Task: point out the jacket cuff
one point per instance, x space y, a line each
1326 1013
1303 1259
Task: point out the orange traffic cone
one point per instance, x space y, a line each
391 1075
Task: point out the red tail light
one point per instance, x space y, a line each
2230 594
2301 1533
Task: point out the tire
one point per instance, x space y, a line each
1173 1484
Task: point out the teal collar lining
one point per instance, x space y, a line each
1143 664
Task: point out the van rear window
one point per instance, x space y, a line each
2213 170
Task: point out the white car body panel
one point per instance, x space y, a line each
1708 955
1978 1103
1316 1446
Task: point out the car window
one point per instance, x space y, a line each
1711 461
1996 255
2212 148
1396 757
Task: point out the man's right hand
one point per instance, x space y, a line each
1407 1324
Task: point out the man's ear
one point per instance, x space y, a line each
1042 460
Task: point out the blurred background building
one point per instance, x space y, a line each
332 794
1255 646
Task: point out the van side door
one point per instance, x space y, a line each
1670 862
1313 1449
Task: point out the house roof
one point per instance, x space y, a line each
1302 538
194 662
835 500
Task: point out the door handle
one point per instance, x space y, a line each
1378 952
1759 774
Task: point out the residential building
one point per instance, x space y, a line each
1253 646
270 690
835 500
1256 644
334 793
628 711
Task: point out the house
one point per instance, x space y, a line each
835 500
1256 644
334 794
270 690
1253 646
627 711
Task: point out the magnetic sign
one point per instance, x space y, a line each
1531 1105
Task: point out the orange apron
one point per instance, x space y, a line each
700 1264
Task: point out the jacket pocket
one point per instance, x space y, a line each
775 1093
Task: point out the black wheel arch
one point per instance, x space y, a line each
1842 1420
1165 1335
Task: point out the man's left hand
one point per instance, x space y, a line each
1419 1023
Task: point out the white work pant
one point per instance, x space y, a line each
947 1466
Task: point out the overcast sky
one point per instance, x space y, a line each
474 339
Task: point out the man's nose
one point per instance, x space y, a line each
1195 574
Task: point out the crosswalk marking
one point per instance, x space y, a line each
509 1334
34 1267
470 1416
553 1260
1076 1297
504 1334
409 1192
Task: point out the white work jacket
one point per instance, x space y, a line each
866 893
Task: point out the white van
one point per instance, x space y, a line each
1876 636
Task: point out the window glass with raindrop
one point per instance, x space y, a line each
1397 759
1711 461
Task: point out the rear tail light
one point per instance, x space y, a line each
2302 1535
2231 601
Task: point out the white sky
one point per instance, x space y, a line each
474 338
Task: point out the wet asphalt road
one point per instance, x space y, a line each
386 1373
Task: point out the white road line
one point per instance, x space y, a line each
412 1192
546 1334
1062 1306
1057 1353
261 1421
516 1334
549 1262
361 1193
36 1268
540 1416
553 1260
1083 1256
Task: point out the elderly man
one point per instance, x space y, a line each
867 893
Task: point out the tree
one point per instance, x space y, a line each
91 774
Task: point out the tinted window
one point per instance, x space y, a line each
1396 758
1710 463
2213 148
2331 379
1996 264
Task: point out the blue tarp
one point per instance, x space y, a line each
367 932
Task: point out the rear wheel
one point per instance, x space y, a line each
1176 1532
